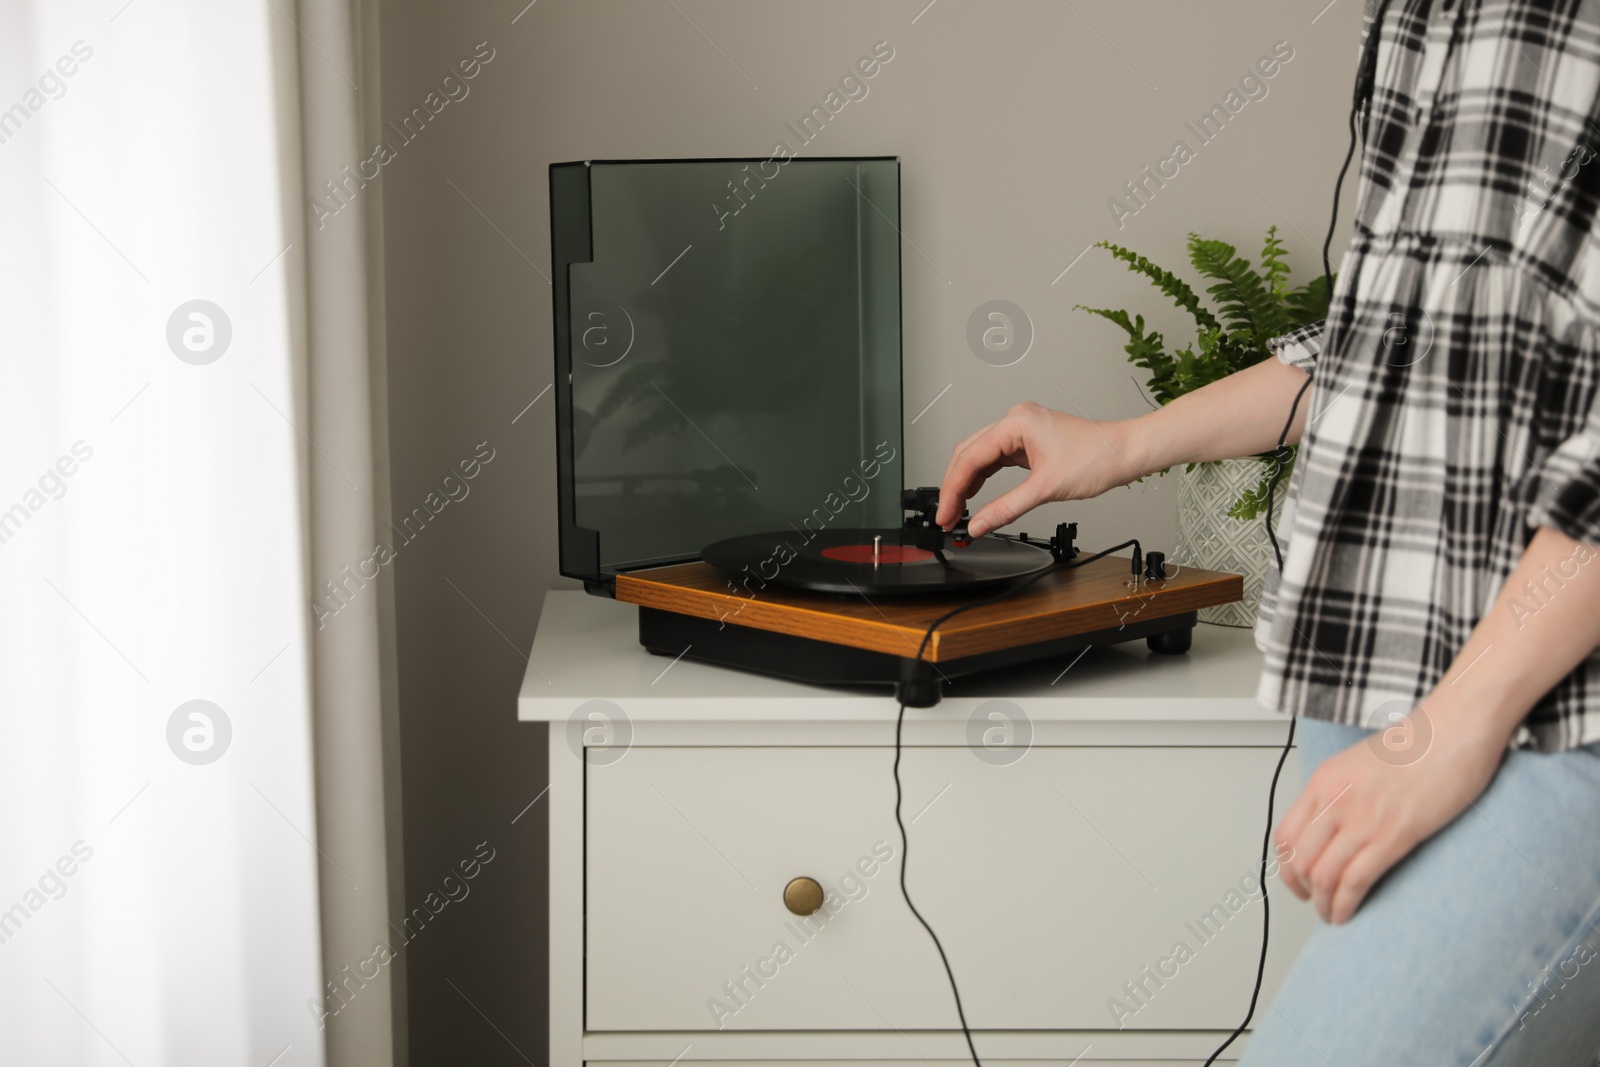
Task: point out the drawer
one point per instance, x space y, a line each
1078 888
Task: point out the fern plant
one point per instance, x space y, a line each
1253 305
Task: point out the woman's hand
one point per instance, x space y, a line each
1366 808
1071 458
1067 457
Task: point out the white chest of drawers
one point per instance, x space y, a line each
1084 836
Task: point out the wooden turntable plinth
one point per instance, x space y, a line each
691 609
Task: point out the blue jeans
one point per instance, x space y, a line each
1479 949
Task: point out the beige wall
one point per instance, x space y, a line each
1016 122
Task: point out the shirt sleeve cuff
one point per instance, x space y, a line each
1299 348
1567 494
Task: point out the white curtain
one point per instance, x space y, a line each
194 842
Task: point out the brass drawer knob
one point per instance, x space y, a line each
803 896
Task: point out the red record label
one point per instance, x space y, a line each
885 554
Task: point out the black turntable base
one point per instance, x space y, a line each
699 611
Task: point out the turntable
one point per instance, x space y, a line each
729 442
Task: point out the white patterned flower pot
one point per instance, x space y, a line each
1211 540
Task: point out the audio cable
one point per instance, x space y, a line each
1366 80
1272 791
899 726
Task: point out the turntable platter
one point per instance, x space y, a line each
887 562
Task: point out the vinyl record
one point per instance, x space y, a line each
899 562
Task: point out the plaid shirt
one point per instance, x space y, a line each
1454 410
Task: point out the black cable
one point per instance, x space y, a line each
1288 743
1279 454
1365 83
1266 908
906 893
1333 219
899 726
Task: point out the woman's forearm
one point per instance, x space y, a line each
1240 415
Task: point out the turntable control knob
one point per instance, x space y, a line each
803 896
1155 565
